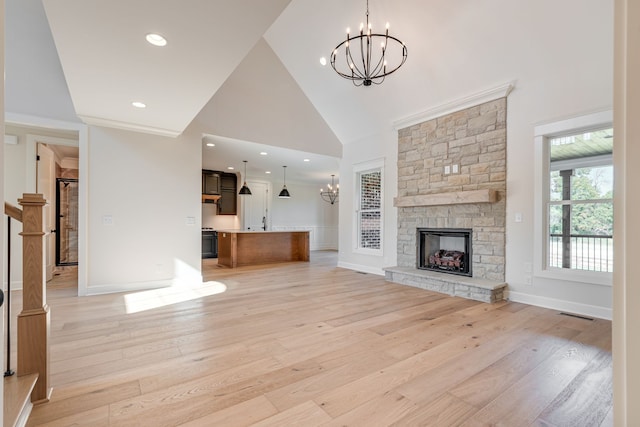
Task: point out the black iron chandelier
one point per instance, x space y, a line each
363 62
332 192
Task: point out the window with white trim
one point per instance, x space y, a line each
574 199
369 213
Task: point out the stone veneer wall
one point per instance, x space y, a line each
474 139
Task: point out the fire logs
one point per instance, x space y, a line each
446 259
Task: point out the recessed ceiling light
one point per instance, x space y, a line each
139 104
263 153
210 144
267 171
307 160
323 61
230 168
156 39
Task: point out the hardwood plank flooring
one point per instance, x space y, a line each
310 344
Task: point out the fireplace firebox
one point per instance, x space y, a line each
445 250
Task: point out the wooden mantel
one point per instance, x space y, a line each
448 198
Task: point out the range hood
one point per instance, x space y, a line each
210 198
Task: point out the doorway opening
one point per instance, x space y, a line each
66 221
57 179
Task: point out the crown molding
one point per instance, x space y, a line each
488 95
97 121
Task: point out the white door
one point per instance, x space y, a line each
45 185
255 208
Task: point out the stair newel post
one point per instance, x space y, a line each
34 320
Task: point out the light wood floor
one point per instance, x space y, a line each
307 344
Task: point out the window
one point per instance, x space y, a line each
369 210
574 213
580 206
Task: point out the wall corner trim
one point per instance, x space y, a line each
472 100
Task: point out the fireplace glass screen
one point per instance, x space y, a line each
445 250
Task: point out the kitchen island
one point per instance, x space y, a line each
238 248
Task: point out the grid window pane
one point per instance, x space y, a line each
370 212
370 230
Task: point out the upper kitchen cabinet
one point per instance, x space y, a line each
210 182
227 205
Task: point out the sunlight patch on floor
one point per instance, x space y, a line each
156 298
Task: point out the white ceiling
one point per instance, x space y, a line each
108 64
249 70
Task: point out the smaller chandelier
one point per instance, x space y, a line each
331 193
366 65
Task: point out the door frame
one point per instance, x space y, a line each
45 185
83 184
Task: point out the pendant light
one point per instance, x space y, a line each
245 190
284 193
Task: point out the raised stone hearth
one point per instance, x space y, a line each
465 287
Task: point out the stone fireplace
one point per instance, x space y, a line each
452 177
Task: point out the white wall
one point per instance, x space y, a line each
14 188
383 146
149 188
306 210
557 74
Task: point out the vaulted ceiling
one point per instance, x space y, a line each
248 70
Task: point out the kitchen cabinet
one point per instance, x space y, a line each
210 182
209 244
238 248
228 202
220 188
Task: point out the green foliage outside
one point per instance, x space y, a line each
588 218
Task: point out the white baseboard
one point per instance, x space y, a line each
323 248
561 305
15 285
362 268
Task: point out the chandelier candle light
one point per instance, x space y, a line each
368 65
331 193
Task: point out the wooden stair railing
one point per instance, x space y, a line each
13 211
34 320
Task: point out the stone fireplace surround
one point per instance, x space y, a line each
471 142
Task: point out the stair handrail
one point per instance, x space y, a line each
13 211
